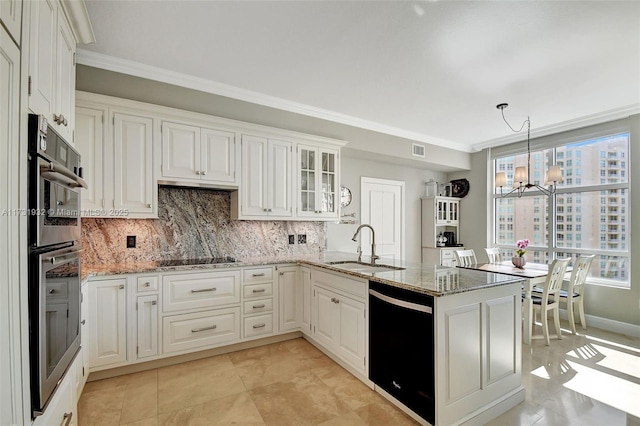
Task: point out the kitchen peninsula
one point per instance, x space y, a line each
208 308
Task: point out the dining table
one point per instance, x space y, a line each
535 275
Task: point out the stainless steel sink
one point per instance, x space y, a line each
363 267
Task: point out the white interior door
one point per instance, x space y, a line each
382 207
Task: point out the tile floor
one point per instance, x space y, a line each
589 379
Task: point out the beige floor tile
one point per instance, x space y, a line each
524 414
152 421
101 407
236 409
346 387
384 414
304 400
263 368
197 382
141 397
349 419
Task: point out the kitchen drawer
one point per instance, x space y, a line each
351 285
257 275
447 254
191 331
57 288
200 290
257 290
255 306
147 284
259 325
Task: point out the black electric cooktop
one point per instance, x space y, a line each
201 261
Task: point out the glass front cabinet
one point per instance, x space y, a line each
318 182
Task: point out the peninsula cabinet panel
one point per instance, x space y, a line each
200 290
107 322
199 330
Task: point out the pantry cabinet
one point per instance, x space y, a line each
265 190
198 154
52 49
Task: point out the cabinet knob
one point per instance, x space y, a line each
153 302
198 172
121 287
83 322
150 205
268 210
203 172
147 284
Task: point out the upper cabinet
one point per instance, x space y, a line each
265 186
198 154
11 15
52 48
318 181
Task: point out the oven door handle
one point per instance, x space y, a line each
57 260
60 174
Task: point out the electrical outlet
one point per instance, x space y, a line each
292 239
302 238
131 241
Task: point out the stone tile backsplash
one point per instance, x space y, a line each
194 223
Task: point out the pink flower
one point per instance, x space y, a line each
522 245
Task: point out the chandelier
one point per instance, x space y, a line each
522 175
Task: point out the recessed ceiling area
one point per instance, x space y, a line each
426 71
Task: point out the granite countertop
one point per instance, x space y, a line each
435 280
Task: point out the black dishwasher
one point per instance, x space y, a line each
401 346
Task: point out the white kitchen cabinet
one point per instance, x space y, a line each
62 409
307 299
147 326
200 290
107 322
116 146
134 186
265 187
258 293
11 17
339 317
198 154
440 255
192 331
439 215
52 47
90 142
290 294
318 182
82 360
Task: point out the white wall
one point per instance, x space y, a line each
352 169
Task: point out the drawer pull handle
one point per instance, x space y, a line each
203 289
197 330
67 418
147 284
121 287
259 306
260 325
258 275
259 290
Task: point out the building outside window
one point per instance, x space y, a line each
598 202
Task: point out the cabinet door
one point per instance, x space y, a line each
11 17
279 178
326 317
180 151
327 202
307 180
305 318
290 293
218 156
351 335
65 78
107 322
83 369
254 186
147 343
42 53
133 147
90 144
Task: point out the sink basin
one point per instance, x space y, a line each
363 267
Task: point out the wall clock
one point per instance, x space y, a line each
345 196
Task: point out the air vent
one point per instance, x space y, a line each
418 150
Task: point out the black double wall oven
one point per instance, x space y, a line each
54 183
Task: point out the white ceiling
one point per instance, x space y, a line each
428 71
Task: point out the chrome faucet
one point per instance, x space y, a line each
373 241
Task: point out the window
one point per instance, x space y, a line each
596 204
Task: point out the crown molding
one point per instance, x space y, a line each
77 13
125 66
564 126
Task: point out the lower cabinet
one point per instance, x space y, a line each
107 322
290 298
340 322
307 300
62 409
147 326
186 332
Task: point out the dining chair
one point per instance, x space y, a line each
550 300
465 257
494 254
575 293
